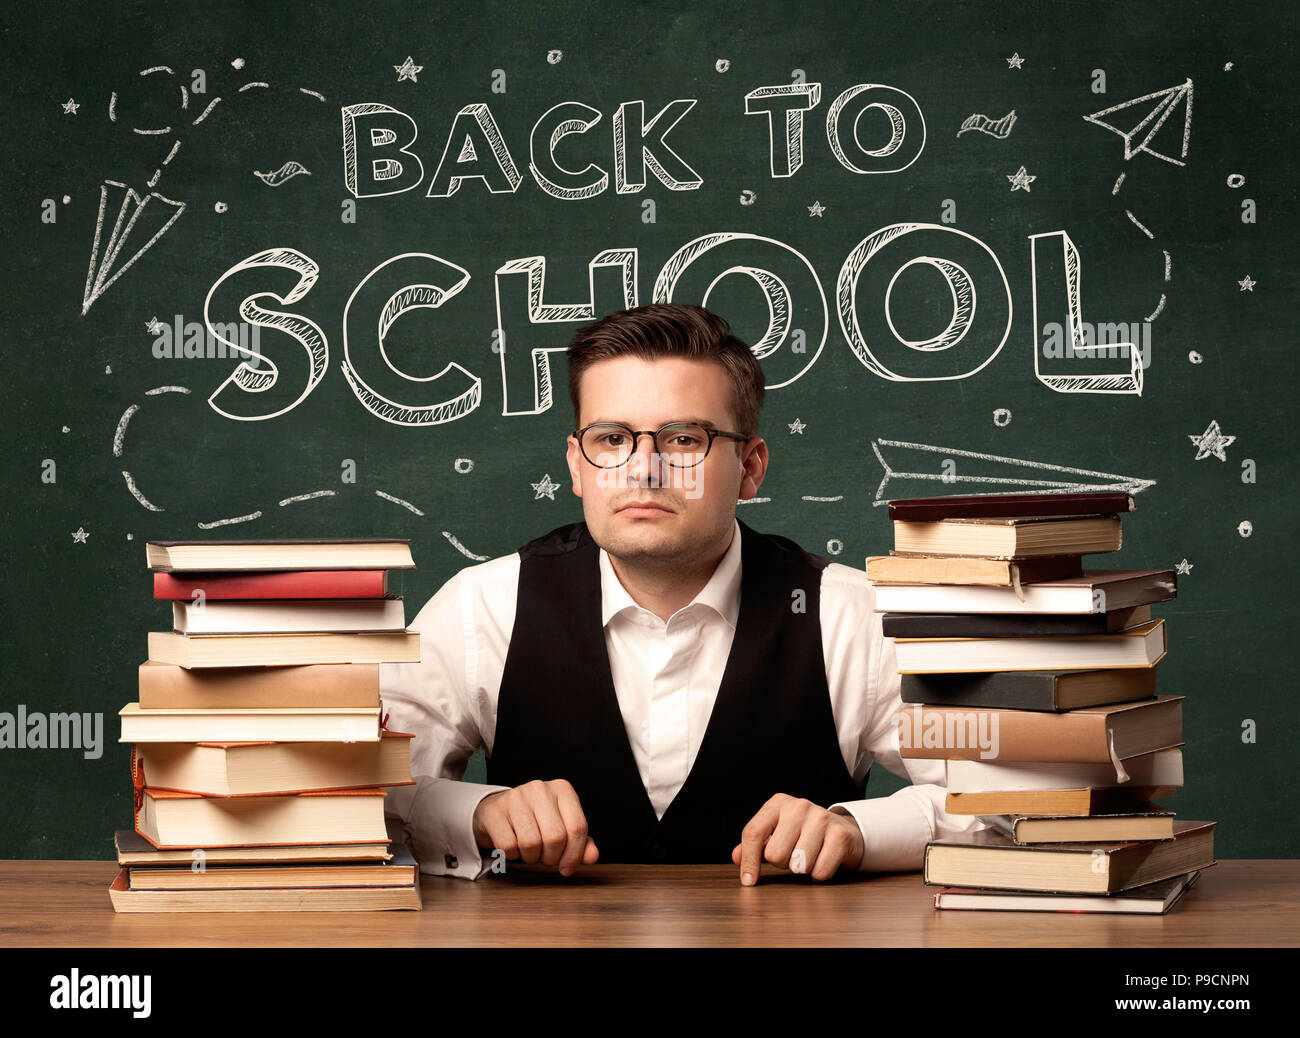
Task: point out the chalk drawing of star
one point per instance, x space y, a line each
153 326
70 107
407 70
1227 67
546 488
1184 567
80 536
1020 179
1246 284
1212 441
816 209
1015 61
797 427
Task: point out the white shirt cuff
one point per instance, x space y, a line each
894 833
439 826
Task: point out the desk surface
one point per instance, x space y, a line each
1240 903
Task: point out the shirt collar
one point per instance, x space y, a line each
721 593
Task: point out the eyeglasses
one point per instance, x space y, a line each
683 445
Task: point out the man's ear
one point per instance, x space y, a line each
574 458
753 464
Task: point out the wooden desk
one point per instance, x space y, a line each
1242 903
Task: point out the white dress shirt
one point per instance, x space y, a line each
666 677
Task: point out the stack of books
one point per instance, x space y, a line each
1035 680
259 753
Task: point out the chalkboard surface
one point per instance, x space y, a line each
914 212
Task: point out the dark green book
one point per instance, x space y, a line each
1048 690
1010 625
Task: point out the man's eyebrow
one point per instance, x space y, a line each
706 422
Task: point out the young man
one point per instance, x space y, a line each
659 682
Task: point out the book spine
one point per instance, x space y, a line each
992 625
1003 506
1009 689
168 686
296 584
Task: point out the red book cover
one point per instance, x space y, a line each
341 583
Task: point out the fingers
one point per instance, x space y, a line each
754 837
800 836
537 822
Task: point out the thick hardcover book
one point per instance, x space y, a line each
1044 690
338 583
906 568
1151 899
289 616
1082 803
1151 822
1006 505
311 685
1162 768
251 724
1095 591
249 650
990 859
322 899
1011 625
1095 734
294 554
399 870
1140 647
134 849
1011 538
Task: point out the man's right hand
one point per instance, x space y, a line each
538 821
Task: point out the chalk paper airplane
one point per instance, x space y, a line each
1166 103
969 472
131 208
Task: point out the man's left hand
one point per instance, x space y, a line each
800 836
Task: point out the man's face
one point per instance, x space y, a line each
694 508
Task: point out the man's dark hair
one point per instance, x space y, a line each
672 330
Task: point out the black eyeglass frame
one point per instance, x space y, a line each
636 434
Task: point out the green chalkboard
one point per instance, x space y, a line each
906 201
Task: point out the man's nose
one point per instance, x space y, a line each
643 464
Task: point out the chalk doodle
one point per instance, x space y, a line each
398 501
1020 180
773 102
1211 442
70 107
1194 357
229 522
747 197
1144 131
797 427
1002 417
408 70
1236 180
1184 568
463 465
288 171
1054 260
721 65
1015 61
306 497
463 550
816 209
999 128
1247 284
546 488
79 537
753 500
1245 528
999 475
834 546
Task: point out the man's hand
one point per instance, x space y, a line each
800 836
538 821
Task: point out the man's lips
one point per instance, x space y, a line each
645 509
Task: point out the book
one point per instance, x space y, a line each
246 650
1161 768
1151 823
1010 625
254 768
170 820
250 724
312 685
400 870
900 568
989 859
324 899
1097 734
1041 690
273 584
134 849
1095 591
1150 899
241 616
1012 538
1083 802
1142 646
1006 505
323 554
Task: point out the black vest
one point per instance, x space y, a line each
771 730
